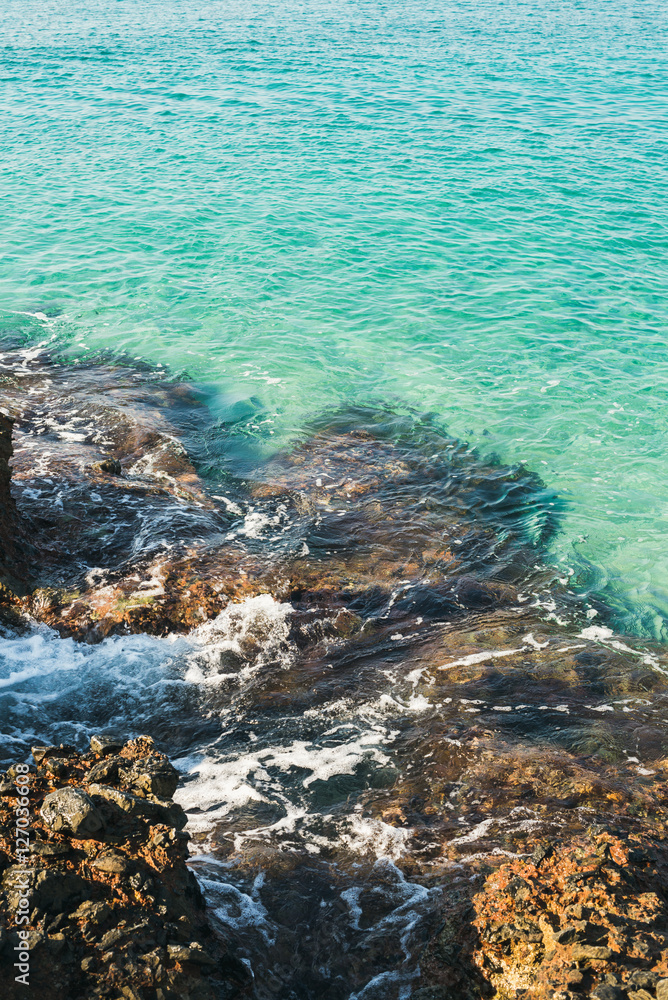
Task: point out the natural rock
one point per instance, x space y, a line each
156 809
71 810
153 776
105 744
93 910
13 545
115 864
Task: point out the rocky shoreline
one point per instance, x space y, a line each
113 908
533 795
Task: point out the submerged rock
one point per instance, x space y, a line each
14 578
127 536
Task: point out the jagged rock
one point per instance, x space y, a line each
153 776
106 771
94 913
40 754
105 745
155 809
617 884
95 910
49 890
71 810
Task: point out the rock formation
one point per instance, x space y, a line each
127 536
113 909
14 577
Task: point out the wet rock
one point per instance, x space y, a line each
109 465
71 810
366 501
13 547
400 550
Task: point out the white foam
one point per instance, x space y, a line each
491 654
53 688
597 632
232 508
351 898
605 635
416 703
376 989
218 784
255 524
530 641
237 909
476 833
261 619
365 836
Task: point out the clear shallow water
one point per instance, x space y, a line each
459 207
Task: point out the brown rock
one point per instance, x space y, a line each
113 863
93 915
590 953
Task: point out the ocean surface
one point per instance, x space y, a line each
455 207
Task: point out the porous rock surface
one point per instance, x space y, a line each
585 917
114 910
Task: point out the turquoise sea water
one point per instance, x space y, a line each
459 207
